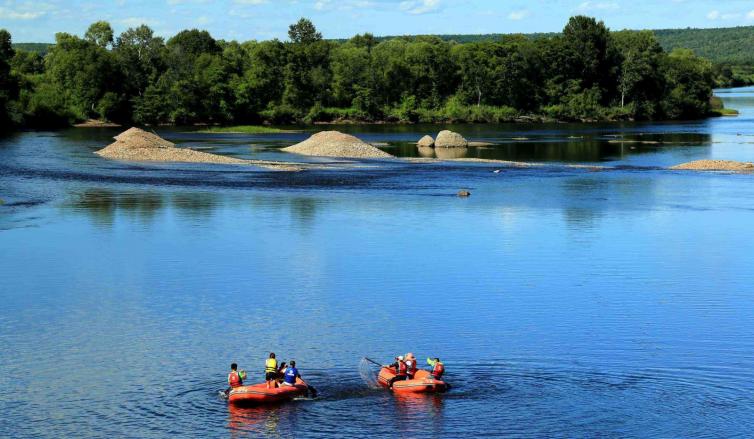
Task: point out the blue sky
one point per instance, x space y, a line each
38 21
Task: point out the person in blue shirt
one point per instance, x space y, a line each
290 375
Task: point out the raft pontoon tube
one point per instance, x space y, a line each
256 394
423 382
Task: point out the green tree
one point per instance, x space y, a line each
303 32
261 82
307 74
351 67
140 57
476 64
192 43
27 63
590 55
100 33
688 85
82 72
639 80
392 78
8 83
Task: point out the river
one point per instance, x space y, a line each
566 302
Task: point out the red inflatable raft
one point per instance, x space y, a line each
423 382
259 393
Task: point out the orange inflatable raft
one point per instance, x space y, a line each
256 394
423 382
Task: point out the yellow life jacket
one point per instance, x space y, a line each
271 365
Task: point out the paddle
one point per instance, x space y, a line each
311 389
372 361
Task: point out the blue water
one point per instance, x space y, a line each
568 302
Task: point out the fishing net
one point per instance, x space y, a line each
368 372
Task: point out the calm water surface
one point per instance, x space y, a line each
565 302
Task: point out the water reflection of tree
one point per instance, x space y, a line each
587 198
195 204
102 205
302 209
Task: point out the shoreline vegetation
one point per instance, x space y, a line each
585 73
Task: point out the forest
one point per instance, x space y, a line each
729 48
585 73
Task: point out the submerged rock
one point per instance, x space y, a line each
426 142
450 139
336 144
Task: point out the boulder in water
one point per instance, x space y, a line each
426 142
450 139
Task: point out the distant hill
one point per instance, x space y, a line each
40 48
731 45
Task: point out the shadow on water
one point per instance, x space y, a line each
103 205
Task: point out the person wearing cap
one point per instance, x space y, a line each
411 366
401 371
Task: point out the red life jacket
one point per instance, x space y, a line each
438 370
401 368
234 380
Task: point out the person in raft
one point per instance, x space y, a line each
290 375
235 378
271 371
437 367
411 366
401 371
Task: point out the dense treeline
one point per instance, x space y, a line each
725 45
585 73
729 49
